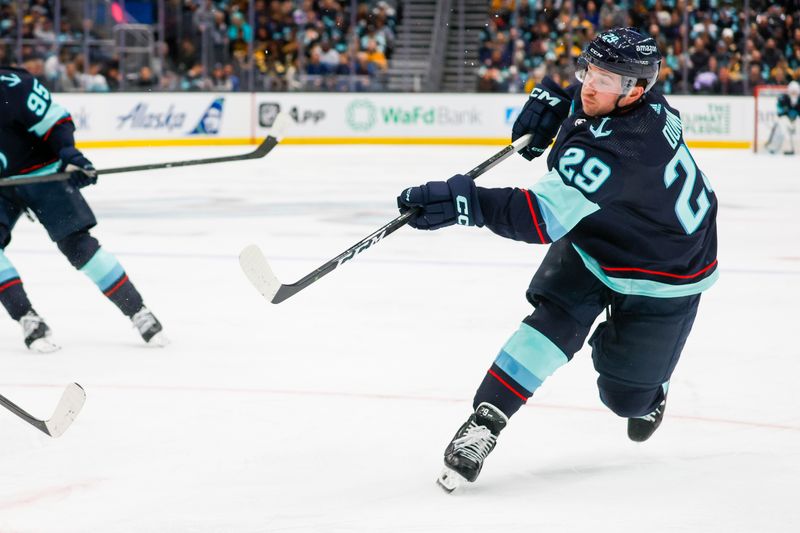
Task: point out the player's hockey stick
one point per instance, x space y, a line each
270 142
67 409
258 271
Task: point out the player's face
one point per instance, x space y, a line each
600 91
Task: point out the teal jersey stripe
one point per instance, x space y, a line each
562 206
54 113
642 287
49 169
529 357
101 268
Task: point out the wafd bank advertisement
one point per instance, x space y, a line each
391 116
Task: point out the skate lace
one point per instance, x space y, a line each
143 320
29 323
652 416
476 443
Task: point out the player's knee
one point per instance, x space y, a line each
628 402
78 247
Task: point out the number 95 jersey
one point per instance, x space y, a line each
624 190
32 127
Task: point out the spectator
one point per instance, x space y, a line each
145 80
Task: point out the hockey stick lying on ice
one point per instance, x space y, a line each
258 271
270 142
66 411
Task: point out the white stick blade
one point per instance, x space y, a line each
67 409
280 126
255 267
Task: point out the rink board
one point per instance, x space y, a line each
202 119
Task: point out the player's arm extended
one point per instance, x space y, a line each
542 214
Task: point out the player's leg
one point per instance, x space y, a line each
63 211
567 299
635 352
13 297
776 138
105 271
788 129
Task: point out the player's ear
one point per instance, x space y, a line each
636 93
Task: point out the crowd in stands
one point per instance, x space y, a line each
231 45
221 45
526 40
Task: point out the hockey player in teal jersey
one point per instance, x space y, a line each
631 223
36 137
782 137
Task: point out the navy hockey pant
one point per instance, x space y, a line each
635 349
67 217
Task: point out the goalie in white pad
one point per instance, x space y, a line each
781 138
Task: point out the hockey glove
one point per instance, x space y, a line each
443 203
83 172
541 116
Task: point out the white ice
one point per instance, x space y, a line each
330 411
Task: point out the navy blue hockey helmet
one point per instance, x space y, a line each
626 52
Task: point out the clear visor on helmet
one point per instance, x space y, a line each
604 81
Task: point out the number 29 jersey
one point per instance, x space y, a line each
627 194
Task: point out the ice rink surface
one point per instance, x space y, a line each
330 411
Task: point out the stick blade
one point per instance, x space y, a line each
280 126
67 409
257 269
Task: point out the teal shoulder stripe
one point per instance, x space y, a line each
642 287
562 206
54 113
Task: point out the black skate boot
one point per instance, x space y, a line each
464 456
642 428
37 333
149 327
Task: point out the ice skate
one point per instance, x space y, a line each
149 327
474 440
642 428
37 333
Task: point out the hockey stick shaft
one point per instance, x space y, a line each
258 271
65 412
270 142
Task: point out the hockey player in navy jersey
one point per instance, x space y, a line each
37 138
784 131
631 219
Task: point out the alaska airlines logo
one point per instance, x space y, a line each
211 120
140 117
3 162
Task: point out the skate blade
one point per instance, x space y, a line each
450 480
159 340
43 345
